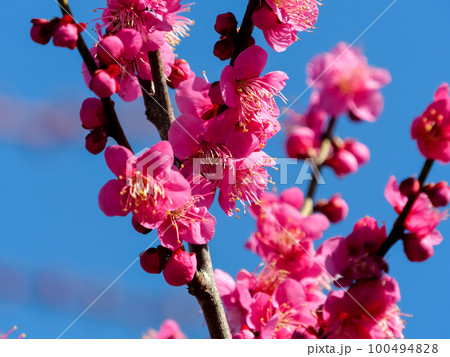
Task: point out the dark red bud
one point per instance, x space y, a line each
226 24
96 141
410 187
153 260
224 48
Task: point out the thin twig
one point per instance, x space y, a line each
308 205
113 126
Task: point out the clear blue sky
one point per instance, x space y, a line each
58 251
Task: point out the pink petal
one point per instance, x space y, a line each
250 63
118 159
110 200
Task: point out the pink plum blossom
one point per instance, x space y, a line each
147 185
367 310
355 257
347 83
432 128
169 329
249 94
281 20
67 31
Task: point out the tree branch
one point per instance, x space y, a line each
398 229
245 31
159 111
308 205
204 288
113 126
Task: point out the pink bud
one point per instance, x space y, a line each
180 268
103 82
96 141
66 33
92 113
300 143
181 71
410 187
153 260
110 49
224 48
439 194
335 209
42 30
417 249
344 163
360 151
226 24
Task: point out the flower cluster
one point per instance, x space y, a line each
283 297
223 127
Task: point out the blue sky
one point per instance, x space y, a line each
58 252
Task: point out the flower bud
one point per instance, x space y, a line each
181 71
96 141
410 187
153 260
439 194
417 249
180 268
335 209
224 48
226 24
66 33
42 30
103 82
344 163
300 144
360 151
92 113
109 50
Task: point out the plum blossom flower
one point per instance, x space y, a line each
354 257
347 83
279 315
169 329
368 310
249 94
191 223
158 21
421 222
148 185
432 128
224 155
280 20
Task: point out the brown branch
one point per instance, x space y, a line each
245 31
113 126
204 288
308 205
159 111
398 229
